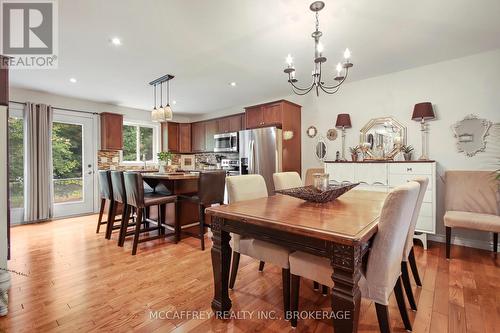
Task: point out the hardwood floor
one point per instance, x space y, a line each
77 280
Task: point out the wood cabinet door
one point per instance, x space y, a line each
173 136
198 137
210 131
271 114
185 138
4 84
223 125
235 123
111 131
254 117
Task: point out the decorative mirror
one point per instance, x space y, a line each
311 131
470 134
332 134
381 138
321 149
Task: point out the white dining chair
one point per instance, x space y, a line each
286 180
248 187
408 255
383 271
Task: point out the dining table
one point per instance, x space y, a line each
340 230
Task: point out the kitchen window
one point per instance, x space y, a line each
140 143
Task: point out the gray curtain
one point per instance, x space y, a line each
38 193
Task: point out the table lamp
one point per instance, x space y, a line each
343 122
422 112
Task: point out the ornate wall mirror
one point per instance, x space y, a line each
470 134
382 137
321 149
311 131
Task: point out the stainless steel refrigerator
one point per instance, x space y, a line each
261 153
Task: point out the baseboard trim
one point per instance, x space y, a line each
477 244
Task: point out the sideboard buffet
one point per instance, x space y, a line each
385 175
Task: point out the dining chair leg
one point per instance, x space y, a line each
315 285
398 292
202 226
111 218
294 306
448 242
324 290
101 212
137 231
177 222
383 318
405 276
285 276
124 225
234 269
261 266
161 219
495 242
414 269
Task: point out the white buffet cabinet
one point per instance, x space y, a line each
383 176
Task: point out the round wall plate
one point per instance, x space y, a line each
311 131
331 134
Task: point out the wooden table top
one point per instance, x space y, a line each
351 218
170 176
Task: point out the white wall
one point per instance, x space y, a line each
456 88
58 101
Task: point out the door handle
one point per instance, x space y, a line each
90 172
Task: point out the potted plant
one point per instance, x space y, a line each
407 151
354 153
164 158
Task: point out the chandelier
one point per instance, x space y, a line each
163 113
317 79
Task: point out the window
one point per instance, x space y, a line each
139 143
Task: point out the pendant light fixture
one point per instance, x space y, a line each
163 114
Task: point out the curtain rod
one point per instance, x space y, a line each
55 107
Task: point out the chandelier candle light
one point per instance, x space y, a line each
342 69
164 113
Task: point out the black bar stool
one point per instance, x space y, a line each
106 193
211 186
134 188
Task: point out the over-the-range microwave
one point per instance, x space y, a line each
226 142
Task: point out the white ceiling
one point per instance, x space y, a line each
209 43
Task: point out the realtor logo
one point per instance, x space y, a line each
29 33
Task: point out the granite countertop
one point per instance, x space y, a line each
382 161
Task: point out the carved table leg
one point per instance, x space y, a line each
221 258
346 296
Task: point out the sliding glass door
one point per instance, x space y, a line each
73 164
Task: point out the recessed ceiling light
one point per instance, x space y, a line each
174 102
232 84
72 80
116 41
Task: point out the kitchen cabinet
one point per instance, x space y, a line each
111 131
198 137
210 131
230 124
176 137
4 86
254 117
172 136
184 138
223 125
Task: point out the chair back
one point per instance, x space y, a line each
285 180
118 184
309 175
211 187
423 182
384 261
471 191
134 188
105 189
245 187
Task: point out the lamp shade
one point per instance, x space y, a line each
343 120
423 111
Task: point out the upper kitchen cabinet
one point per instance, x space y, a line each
4 86
210 131
176 137
230 124
111 131
198 137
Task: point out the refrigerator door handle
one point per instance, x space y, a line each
251 157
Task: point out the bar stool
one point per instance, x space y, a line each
106 191
120 196
211 186
134 188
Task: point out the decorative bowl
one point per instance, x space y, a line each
311 194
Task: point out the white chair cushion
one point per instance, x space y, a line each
311 267
423 181
285 180
469 220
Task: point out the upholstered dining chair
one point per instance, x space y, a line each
285 180
248 187
310 175
408 254
383 270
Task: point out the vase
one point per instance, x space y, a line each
161 167
407 156
354 157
